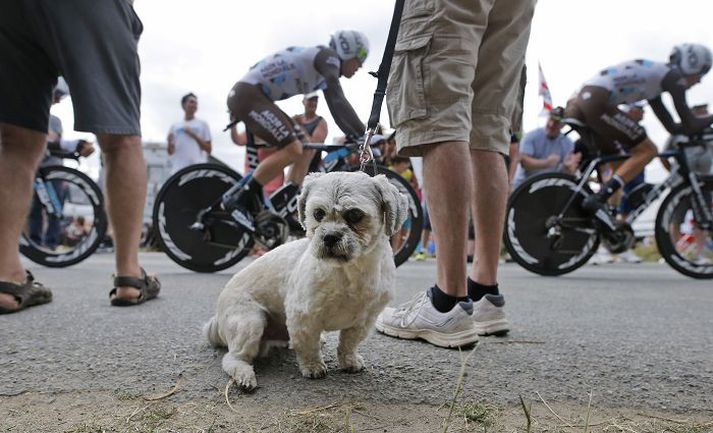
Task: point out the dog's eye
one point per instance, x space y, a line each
318 214
353 216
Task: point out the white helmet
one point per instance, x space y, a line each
350 44
692 59
61 89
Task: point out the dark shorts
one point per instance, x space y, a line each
91 43
612 128
261 115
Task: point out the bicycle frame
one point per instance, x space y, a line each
679 173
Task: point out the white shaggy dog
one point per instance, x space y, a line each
339 277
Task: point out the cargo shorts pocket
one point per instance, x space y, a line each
406 93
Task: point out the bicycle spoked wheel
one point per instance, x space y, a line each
68 228
530 236
686 246
405 241
184 194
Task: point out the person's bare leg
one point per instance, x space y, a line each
274 164
448 198
488 201
20 152
126 183
299 168
641 155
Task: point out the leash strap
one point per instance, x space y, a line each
382 75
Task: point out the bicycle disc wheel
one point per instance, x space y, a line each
69 230
684 245
184 194
405 241
532 238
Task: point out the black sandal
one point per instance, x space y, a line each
27 294
148 285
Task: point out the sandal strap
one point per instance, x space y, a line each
128 281
17 290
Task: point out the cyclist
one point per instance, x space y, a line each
292 71
596 103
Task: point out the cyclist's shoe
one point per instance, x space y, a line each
418 318
419 256
600 211
489 315
243 217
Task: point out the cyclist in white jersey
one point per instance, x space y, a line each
596 103
290 72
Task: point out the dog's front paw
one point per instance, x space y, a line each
241 371
352 363
314 370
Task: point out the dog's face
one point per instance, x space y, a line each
346 213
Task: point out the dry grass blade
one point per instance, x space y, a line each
527 411
227 388
459 387
566 422
676 421
176 387
318 409
516 342
589 412
140 409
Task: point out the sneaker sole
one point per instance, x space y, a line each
497 327
440 339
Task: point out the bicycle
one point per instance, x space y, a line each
63 198
194 231
548 233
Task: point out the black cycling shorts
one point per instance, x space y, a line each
611 127
261 115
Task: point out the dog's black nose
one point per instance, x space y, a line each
331 239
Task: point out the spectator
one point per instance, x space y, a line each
546 149
315 130
76 231
94 45
458 120
189 140
402 166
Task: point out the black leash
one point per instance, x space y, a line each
382 75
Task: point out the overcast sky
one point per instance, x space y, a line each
205 47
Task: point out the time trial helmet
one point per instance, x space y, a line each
691 59
350 44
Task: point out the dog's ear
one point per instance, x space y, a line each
393 204
302 201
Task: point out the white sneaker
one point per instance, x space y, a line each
628 256
418 318
489 316
601 257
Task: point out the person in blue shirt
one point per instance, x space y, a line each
546 149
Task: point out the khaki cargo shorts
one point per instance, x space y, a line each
456 72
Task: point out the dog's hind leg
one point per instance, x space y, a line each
210 330
243 330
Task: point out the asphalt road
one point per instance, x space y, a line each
636 336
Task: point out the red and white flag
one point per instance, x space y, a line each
544 91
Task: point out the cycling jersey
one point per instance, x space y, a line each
631 81
289 72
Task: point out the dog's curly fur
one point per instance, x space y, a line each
339 277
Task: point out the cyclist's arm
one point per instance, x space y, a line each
327 64
171 140
691 123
